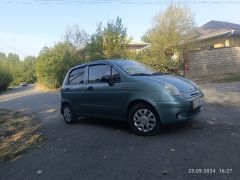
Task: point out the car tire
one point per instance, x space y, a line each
68 114
144 120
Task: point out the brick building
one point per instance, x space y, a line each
215 52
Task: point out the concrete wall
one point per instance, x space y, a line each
235 41
213 62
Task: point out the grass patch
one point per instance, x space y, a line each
18 133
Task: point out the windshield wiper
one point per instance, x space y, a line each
140 74
158 73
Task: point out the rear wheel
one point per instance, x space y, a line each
68 114
143 120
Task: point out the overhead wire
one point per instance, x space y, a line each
133 2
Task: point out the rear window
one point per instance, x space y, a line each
76 76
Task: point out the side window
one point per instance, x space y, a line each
76 76
115 76
97 72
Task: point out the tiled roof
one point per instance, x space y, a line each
217 27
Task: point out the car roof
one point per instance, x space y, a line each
113 61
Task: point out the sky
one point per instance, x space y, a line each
26 26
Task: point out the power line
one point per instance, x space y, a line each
133 2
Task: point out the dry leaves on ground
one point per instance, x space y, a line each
18 133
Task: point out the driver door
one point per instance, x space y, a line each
104 100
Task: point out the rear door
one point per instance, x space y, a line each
76 89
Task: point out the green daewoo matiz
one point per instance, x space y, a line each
128 90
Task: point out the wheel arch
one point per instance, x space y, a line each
141 101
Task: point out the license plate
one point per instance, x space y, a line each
196 103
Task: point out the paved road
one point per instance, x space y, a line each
101 149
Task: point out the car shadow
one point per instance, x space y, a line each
124 127
105 123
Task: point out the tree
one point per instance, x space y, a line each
53 64
5 78
108 42
29 69
169 28
76 36
5 75
115 40
94 49
15 68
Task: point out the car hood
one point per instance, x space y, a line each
180 83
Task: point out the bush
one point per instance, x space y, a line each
5 78
53 64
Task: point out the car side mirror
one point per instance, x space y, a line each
108 79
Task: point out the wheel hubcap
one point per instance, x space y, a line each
144 120
67 114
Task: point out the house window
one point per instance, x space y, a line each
227 43
219 45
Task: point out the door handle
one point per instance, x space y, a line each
67 89
90 88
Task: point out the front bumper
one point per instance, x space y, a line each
177 111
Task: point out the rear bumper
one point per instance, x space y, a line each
178 111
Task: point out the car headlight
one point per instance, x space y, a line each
171 89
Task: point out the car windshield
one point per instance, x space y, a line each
134 68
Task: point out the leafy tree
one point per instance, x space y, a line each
13 58
29 69
94 49
13 70
5 78
53 64
169 28
2 56
108 42
115 40
5 75
16 69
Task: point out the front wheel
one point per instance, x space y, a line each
144 120
68 114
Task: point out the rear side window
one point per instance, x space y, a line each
97 72
76 76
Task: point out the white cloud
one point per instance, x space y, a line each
24 44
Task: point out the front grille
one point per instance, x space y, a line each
194 112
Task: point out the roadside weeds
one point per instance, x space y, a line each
42 87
